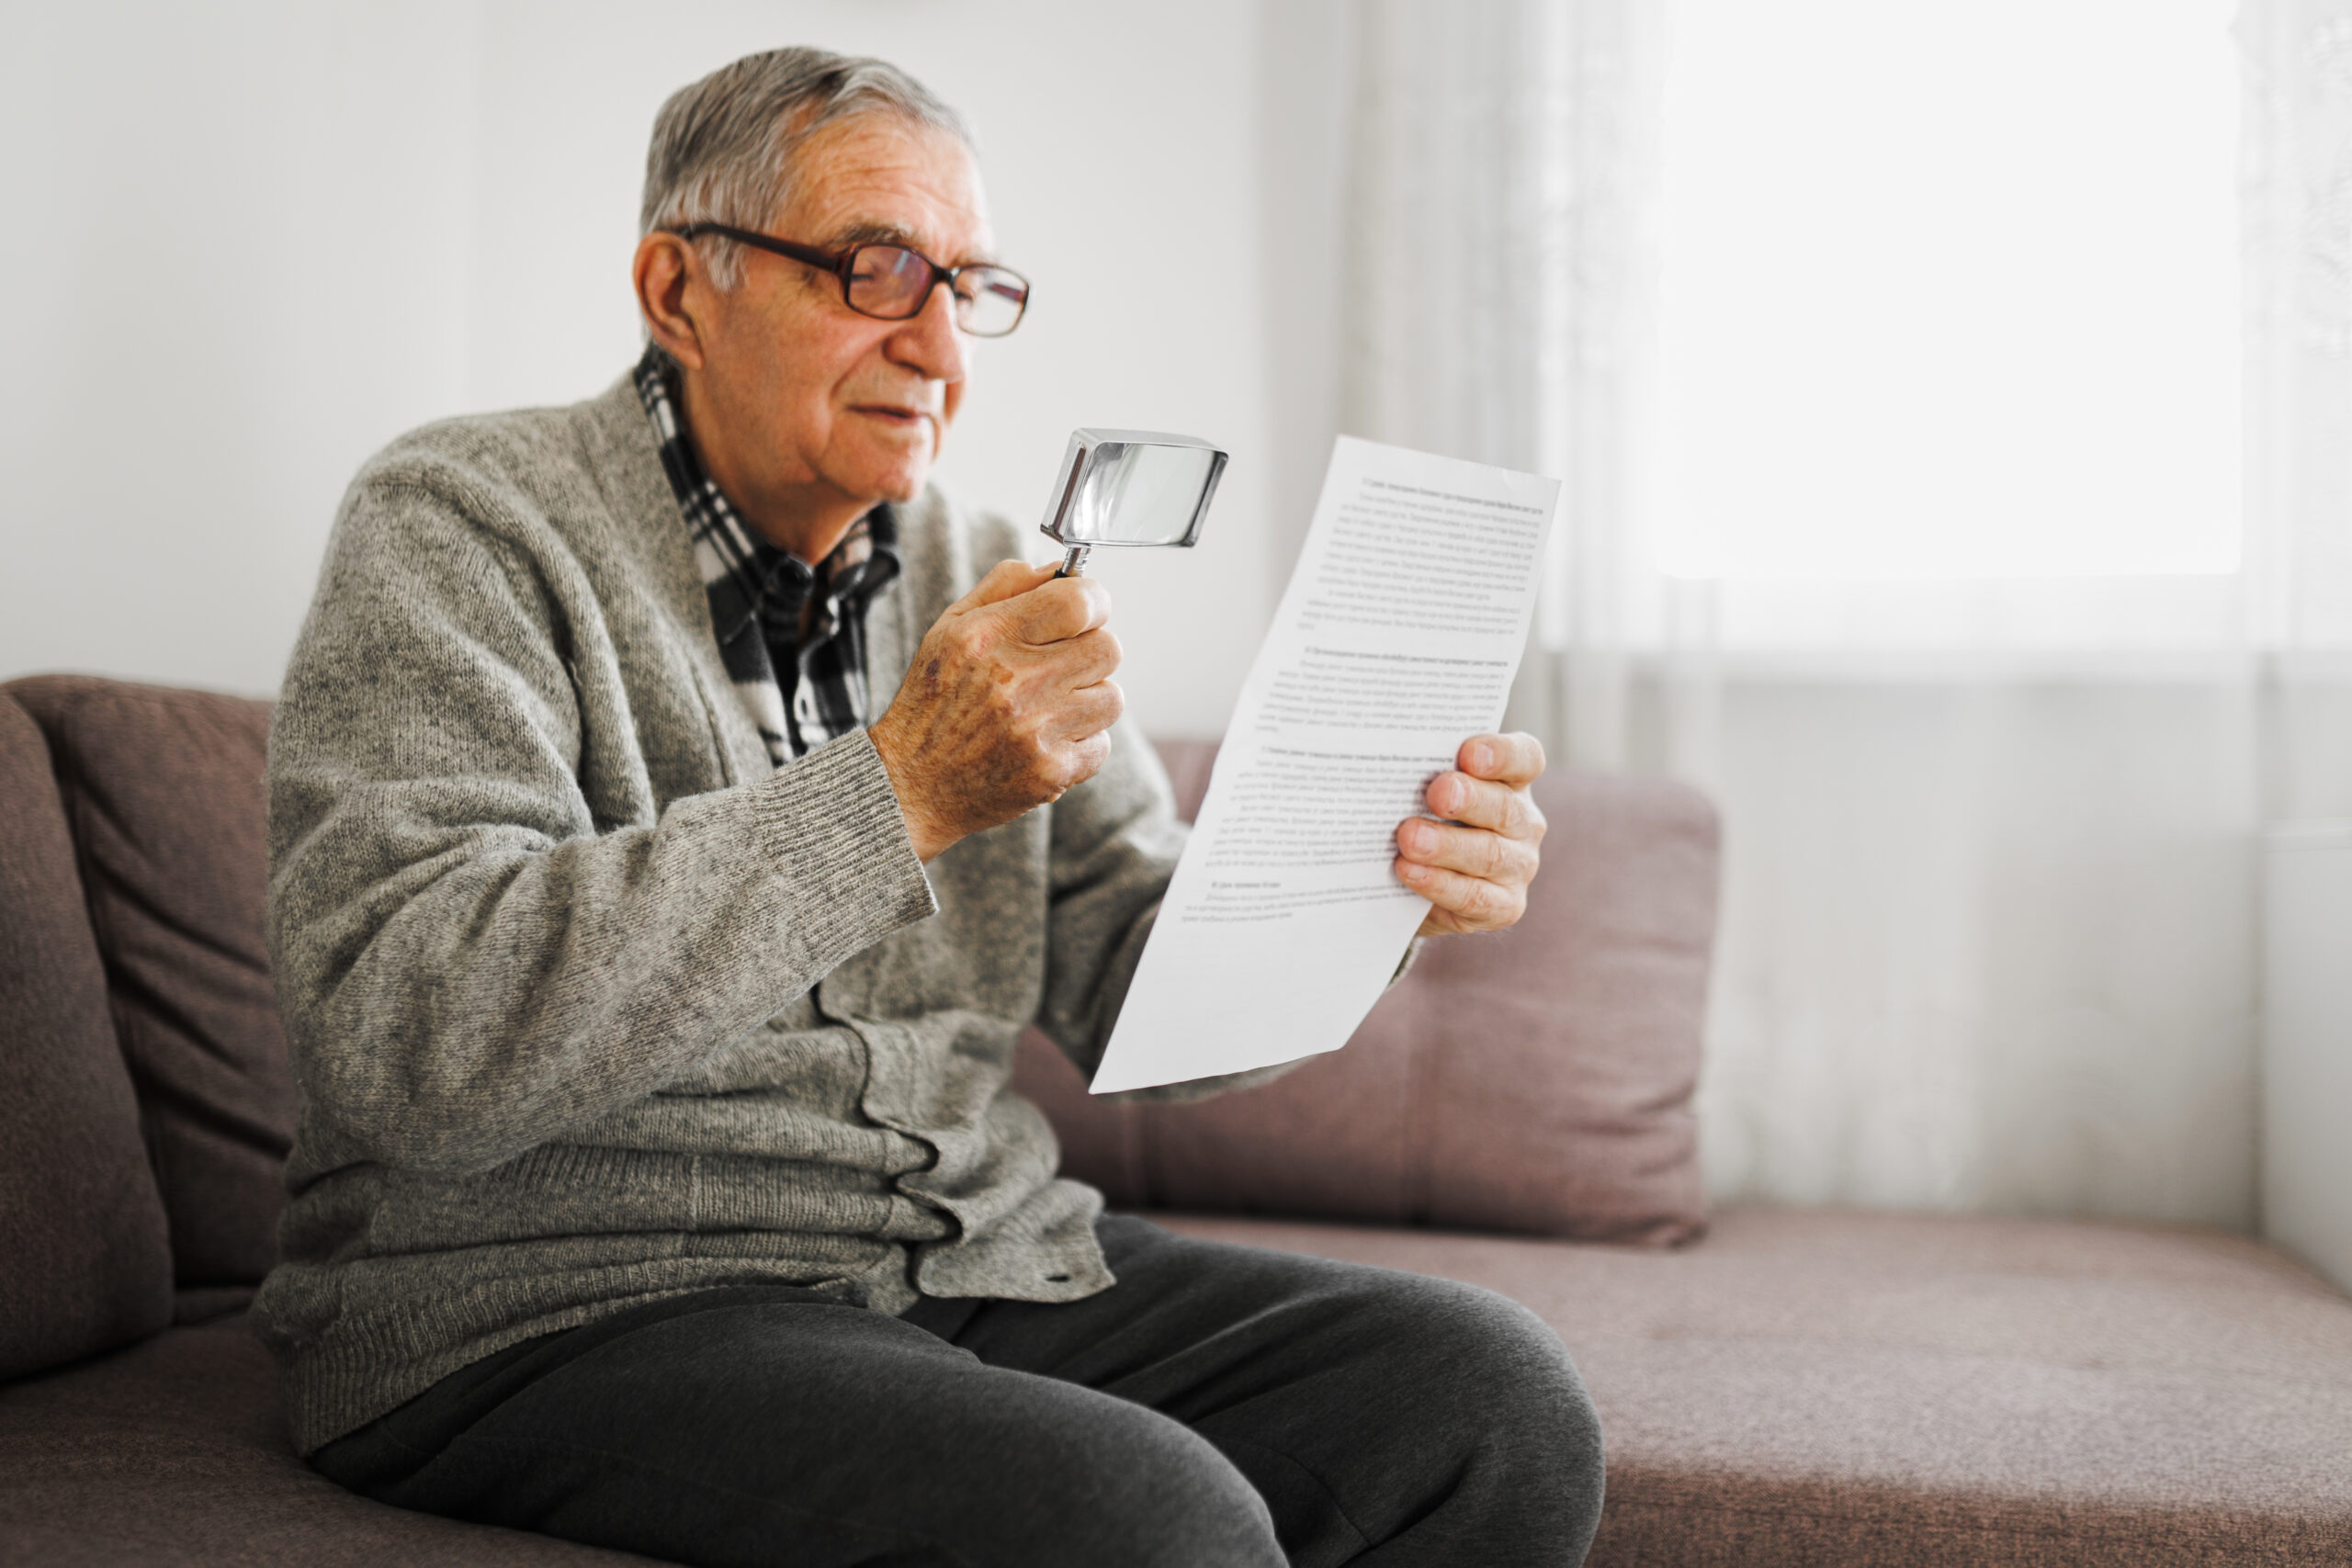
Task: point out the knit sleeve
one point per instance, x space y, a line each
468 961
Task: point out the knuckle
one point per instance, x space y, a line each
1071 765
1497 852
1474 901
1062 622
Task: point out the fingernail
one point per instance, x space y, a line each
1415 872
1482 758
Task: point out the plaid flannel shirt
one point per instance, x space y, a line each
774 612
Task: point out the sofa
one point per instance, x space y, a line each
1776 1387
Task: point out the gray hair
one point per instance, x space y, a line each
723 149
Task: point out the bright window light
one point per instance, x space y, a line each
1949 291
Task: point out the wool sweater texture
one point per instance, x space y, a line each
588 1002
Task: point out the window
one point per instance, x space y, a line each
1947 293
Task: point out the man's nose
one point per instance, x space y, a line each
930 341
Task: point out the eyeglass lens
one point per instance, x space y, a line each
892 282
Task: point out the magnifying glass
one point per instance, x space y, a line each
1130 487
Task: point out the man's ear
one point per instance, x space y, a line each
673 293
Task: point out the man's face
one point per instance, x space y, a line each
811 399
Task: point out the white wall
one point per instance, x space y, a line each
253 242
238 262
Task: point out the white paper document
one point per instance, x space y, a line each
1396 641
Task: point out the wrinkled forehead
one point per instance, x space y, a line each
877 177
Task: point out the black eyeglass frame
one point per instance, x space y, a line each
842 263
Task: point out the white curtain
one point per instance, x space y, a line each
1990 934
2298 205
1500 156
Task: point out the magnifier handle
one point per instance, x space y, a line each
1074 563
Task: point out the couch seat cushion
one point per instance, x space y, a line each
1836 1388
1798 1387
174 1453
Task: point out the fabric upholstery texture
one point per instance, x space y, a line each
1537 1079
83 1262
1909 1391
175 1451
164 789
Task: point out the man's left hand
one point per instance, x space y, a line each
1474 866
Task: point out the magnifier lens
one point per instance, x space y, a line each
1137 494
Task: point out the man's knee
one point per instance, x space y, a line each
1494 1388
1540 1400
1139 1488
1514 1360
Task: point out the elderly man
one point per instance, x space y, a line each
651 996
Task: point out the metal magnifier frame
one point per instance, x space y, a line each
1129 488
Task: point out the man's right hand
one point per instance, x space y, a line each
1005 705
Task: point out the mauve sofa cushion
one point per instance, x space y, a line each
1537 1079
164 789
84 1264
1909 1391
174 1453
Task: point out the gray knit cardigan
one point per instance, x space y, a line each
587 1003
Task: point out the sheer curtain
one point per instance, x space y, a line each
1990 934
2298 205
1500 159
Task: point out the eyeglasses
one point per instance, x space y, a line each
892 282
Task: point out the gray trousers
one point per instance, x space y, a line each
1219 1407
